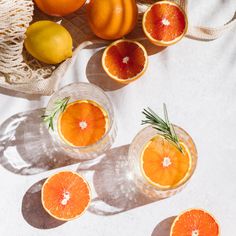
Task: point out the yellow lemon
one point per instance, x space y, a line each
48 42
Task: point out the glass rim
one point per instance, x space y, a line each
111 115
193 167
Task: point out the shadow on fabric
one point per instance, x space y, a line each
12 93
26 147
164 227
115 190
96 74
33 211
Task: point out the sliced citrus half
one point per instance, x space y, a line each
195 222
125 60
163 165
165 23
83 123
65 195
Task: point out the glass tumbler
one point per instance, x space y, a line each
89 92
135 151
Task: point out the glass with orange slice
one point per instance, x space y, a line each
80 118
162 157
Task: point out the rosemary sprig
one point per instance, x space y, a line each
165 128
59 106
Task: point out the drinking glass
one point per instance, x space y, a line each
135 152
84 91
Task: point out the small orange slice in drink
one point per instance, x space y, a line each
165 23
195 222
163 165
83 123
125 60
65 195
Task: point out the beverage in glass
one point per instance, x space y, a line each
81 120
162 163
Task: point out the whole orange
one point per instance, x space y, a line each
59 7
112 19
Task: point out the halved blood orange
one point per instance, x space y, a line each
165 23
65 195
83 123
195 222
125 60
163 165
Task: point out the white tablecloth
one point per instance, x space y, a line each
197 81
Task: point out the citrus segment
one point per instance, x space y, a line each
65 195
83 123
164 23
163 164
125 60
195 222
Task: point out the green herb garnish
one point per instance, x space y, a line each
165 128
59 106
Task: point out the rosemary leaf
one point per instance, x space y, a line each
59 106
165 128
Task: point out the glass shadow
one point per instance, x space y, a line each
114 190
26 147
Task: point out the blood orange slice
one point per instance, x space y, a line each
125 60
165 23
195 222
163 165
83 123
65 195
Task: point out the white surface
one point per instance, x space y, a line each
197 81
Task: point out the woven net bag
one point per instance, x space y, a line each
20 72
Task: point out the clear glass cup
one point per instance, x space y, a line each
84 91
135 152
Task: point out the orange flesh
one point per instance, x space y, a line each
83 123
125 60
195 221
163 164
173 26
54 200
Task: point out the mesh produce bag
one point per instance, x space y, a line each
20 72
